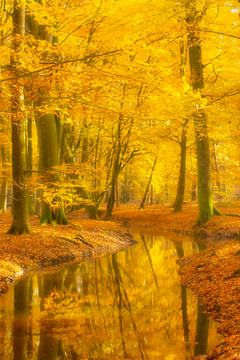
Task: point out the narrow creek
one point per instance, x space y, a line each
128 305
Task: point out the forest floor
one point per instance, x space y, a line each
48 246
214 273
163 218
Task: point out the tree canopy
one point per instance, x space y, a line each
111 101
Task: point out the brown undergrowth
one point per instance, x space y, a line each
53 245
213 274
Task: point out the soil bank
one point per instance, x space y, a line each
49 246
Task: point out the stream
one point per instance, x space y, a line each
127 305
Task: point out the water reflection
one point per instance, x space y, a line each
128 305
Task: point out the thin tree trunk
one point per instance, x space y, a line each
125 195
194 191
178 204
112 195
151 196
142 205
30 160
217 180
91 209
182 175
20 209
4 181
117 195
115 168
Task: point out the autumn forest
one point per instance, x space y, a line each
119 121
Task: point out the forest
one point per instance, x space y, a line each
120 123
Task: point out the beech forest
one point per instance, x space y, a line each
120 124
112 102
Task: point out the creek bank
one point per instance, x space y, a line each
213 274
49 246
162 218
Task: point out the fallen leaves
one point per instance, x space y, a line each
210 274
51 246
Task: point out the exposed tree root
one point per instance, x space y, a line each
19 230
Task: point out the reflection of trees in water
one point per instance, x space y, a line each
180 252
149 259
123 307
202 326
21 322
202 322
202 330
122 300
48 345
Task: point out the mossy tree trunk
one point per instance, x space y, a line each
20 208
205 203
49 132
49 154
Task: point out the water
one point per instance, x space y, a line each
129 305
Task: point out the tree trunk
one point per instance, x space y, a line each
117 195
20 209
115 173
30 160
91 209
148 184
217 179
48 140
182 175
125 194
4 181
49 132
205 204
193 191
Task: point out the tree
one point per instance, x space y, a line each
205 203
20 208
